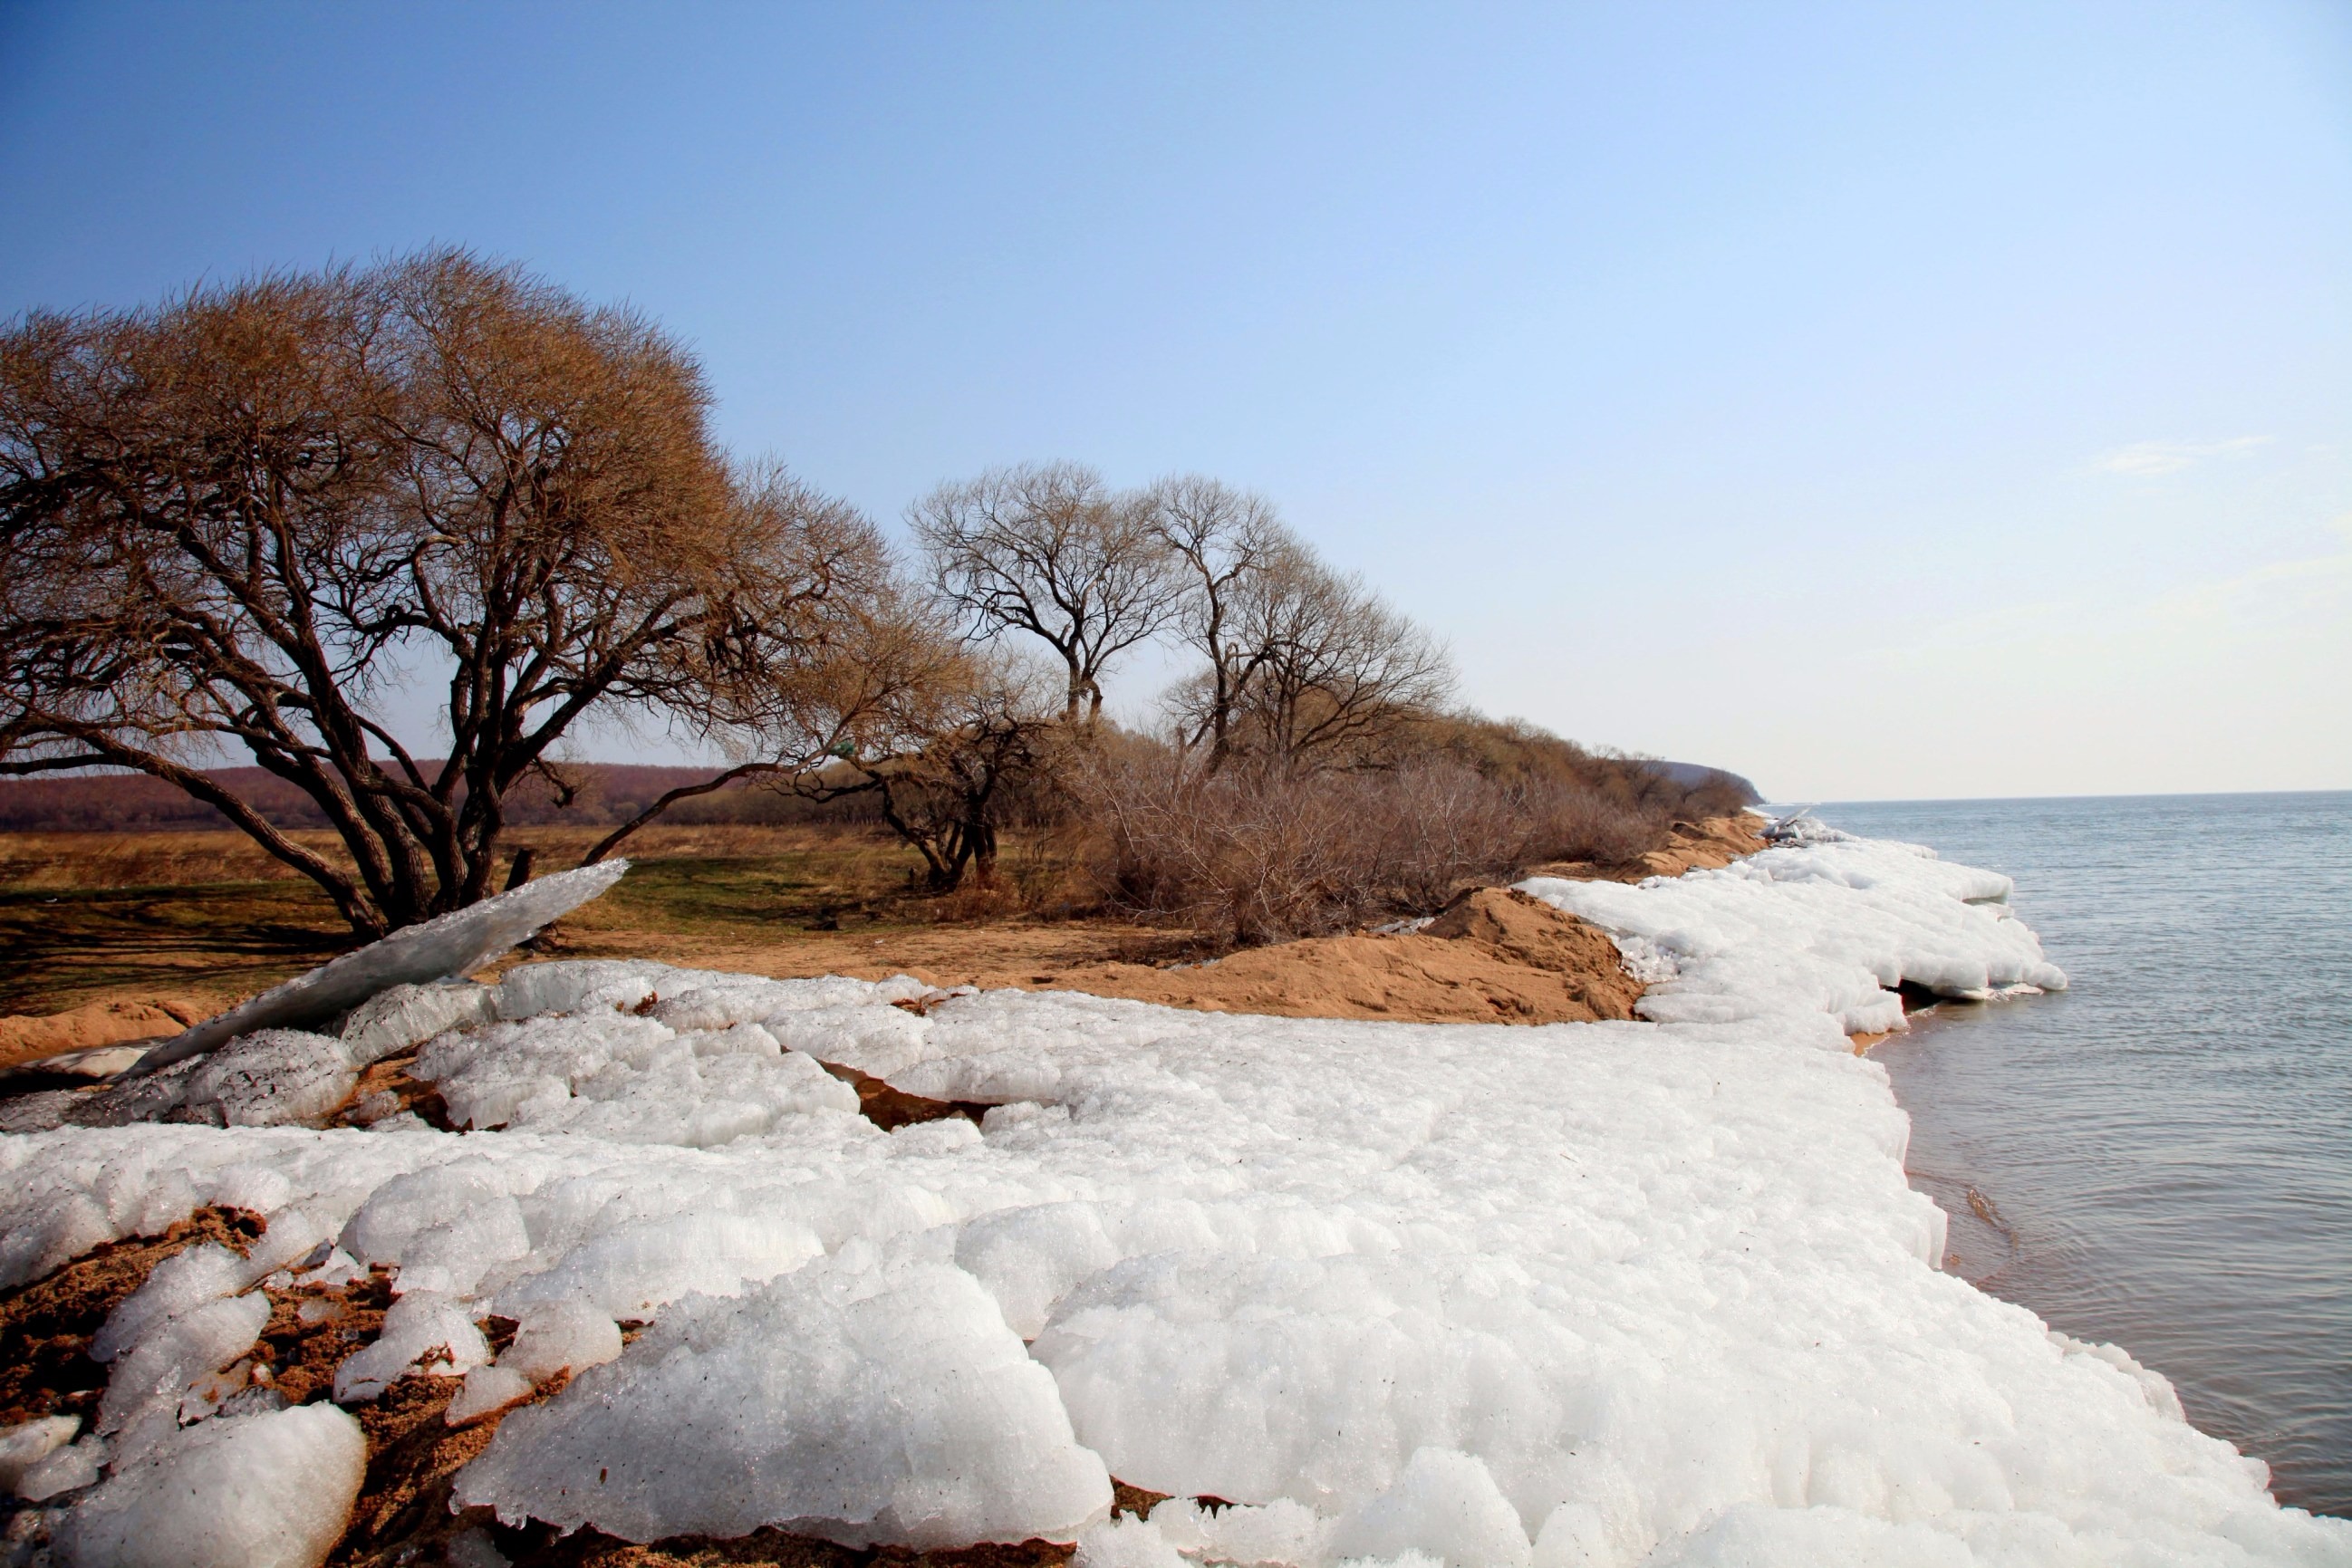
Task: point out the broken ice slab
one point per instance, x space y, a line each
394 1020
90 1062
451 944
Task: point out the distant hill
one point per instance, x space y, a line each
610 793
1692 775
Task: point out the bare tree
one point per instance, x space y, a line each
976 741
226 521
869 666
1339 673
1050 551
1315 671
1223 542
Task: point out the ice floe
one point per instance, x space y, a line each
1607 1293
1830 925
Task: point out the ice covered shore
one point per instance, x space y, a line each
1607 1293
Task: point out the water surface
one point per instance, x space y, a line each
2161 1157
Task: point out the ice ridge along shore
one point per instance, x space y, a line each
1609 1293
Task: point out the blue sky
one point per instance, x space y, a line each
1884 400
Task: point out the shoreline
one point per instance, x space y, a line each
1824 1136
1490 965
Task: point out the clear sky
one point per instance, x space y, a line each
1884 400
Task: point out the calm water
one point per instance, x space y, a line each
2162 1156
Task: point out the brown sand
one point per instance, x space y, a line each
1512 962
1497 957
25 1037
1707 845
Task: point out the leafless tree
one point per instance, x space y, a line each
1049 550
981 740
1223 542
1322 673
228 521
871 666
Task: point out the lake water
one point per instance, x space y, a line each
2161 1157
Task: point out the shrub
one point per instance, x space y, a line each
1250 856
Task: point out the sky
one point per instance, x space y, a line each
1881 401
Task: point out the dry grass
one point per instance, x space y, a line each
207 917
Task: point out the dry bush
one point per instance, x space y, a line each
1261 854
1258 855
1245 857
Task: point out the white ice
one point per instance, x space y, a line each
423 1329
28 1443
861 1398
392 1020
1829 927
247 1491
450 944
1444 1506
485 1389
567 1335
1663 1286
272 1077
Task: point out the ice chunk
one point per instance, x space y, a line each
464 1201
1752 1535
1575 1536
628 1079
425 1326
880 1041
1445 1505
252 1491
1281 1532
486 1388
2152 1384
338 1268
1824 923
391 1021
271 1077
883 1405
1125 1543
575 985
474 1549
630 1270
485 1237
185 1280
169 1360
43 1111
1031 1258
64 1469
28 1443
455 943
198 1274
556 1336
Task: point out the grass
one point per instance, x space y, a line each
208 916
66 946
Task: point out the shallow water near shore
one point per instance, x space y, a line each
2161 1157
